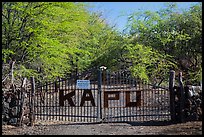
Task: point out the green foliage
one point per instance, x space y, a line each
6 53
146 63
175 35
52 39
23 71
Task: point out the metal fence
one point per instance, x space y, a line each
112 97
128 99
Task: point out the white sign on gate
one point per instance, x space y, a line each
83 84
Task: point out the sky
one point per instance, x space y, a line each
112 11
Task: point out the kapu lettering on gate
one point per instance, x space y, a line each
87 96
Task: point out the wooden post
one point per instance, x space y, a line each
32 115
99 105
21 107
12 75
172 95
181 101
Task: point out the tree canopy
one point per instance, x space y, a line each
52 39
175 34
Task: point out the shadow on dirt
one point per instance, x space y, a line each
72 123
151 123
188 128
134 123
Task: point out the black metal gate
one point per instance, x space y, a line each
62 100
112 97
128 99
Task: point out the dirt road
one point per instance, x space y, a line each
133 128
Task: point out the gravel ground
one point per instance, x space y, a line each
131 128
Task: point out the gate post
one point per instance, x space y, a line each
172 95
182 99
32 113
99 111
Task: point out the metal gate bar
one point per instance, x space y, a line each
118 97
154 103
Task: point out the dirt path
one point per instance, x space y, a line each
67 128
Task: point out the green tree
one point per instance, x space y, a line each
43 37
174 34
63 37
